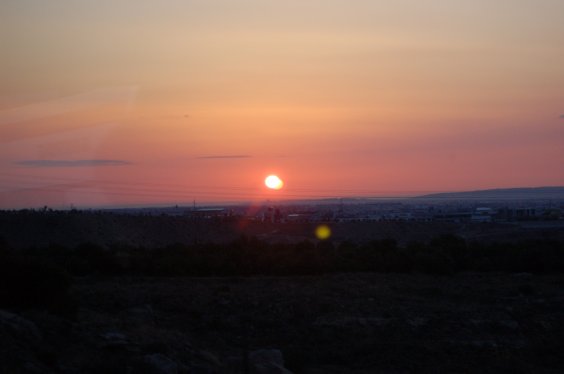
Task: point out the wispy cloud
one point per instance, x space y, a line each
70 163
115 96
223 156
562 116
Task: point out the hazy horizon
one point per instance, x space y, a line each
301 199
109 104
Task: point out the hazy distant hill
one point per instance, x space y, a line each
503 193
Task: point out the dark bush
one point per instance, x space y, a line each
433 263
28 282
91 258
251 256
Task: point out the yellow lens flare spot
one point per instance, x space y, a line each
273 182
322 232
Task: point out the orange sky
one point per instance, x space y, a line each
144 102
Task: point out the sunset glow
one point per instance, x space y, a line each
142 102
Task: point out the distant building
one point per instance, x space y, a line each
482 214
525 213
206 212
453 217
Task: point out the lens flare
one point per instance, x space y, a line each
322 232
273 182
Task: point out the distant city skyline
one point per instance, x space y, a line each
132 103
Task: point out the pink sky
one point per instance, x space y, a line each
166 102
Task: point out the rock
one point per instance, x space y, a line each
159 364
267 361
141 315
235 364
351 321
205 362
417 322
19 327
208 357
492 344
20 342
113 336
30 367
509 324
114 340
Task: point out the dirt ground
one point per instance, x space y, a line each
340 323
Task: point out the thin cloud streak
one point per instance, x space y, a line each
122 96
71 163
223 157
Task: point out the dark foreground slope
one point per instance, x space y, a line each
259 304
353 323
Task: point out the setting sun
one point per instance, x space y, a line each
273 182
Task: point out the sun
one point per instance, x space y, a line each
273 182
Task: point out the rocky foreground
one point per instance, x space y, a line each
353 323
